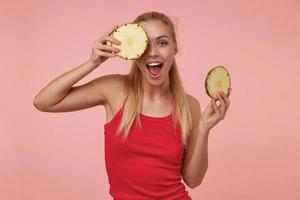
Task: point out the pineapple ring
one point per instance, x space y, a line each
217 79
133 38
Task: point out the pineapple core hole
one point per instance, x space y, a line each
129 41
219 83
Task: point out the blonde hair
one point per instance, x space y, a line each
133 87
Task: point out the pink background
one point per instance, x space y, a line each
253 152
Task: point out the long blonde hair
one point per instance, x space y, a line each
133 87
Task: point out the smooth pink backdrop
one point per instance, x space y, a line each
253 152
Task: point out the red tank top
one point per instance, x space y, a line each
147 165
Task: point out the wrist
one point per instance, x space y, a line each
93 64
203 128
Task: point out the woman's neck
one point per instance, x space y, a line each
156 93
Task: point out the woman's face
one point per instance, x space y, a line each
160 50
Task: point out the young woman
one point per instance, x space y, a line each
153 132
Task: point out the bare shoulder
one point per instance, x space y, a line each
115 93
112 87
111 79
195 107
111 84
194 103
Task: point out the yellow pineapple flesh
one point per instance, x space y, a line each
217 79
133 38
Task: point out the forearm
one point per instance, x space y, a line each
58 88
198 163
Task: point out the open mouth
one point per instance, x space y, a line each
154 69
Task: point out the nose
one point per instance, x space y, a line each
152 50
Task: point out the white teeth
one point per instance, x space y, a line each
153 64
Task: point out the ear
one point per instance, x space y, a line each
175 51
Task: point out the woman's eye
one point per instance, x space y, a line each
163 43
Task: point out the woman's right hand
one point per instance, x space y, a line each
102 48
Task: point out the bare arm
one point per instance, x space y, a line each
58 88
60 96
195 163
196 159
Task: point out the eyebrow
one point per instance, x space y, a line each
161 37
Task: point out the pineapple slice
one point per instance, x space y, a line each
217 79
133 38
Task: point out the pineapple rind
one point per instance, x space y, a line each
133 38
216 80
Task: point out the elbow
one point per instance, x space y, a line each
193 185
193 182
38 105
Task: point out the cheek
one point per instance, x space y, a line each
139 63
169 58
167 53
141 67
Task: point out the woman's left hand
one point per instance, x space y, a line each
213 113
